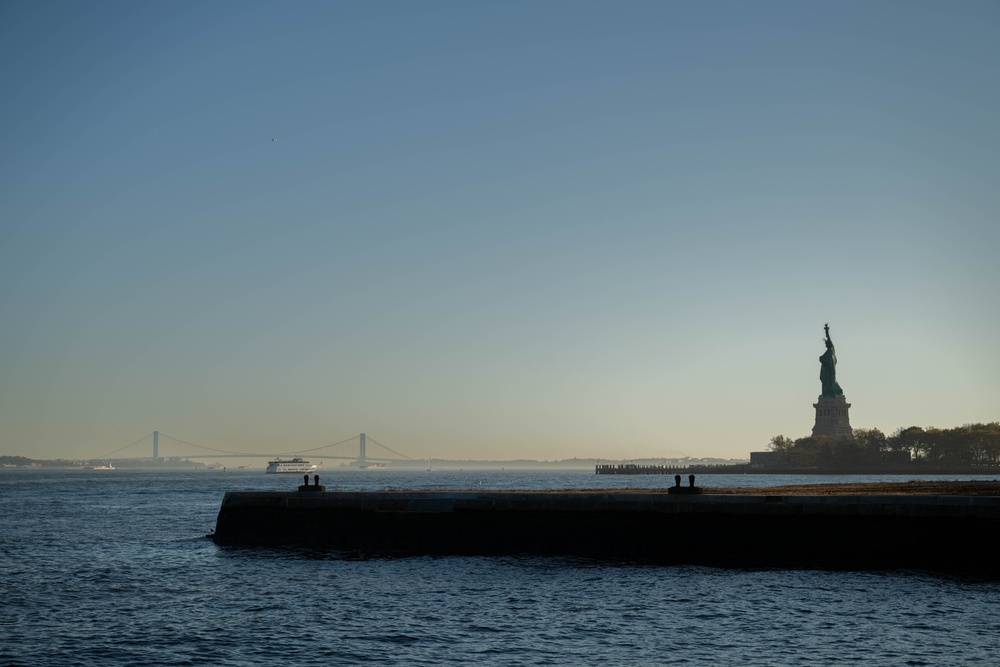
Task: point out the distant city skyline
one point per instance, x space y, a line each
494 231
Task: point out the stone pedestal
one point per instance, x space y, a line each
832 417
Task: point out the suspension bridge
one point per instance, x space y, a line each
160 447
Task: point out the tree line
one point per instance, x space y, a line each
972 445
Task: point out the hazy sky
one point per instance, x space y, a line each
494 229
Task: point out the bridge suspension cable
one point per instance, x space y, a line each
111 455
207 449
388 449
149 447
316 449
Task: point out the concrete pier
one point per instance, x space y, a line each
847 531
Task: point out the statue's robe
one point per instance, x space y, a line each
828 373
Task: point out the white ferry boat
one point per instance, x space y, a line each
290 465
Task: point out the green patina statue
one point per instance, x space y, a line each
828 367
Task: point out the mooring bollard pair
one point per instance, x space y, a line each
315 487
677 488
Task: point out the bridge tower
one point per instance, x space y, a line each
361 450
156 445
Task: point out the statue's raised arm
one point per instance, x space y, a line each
828 367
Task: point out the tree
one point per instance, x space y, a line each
872 445
908 440
968 445
782 448
808 451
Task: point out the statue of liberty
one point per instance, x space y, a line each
828 367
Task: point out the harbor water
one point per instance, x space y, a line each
113 567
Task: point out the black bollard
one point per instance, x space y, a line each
315 488
684 490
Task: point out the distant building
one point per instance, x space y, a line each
761 459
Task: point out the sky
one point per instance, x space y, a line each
494 230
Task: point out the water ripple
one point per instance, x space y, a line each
116 572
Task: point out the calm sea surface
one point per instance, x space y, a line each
113 568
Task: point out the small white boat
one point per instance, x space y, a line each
106 467
290 465
372 466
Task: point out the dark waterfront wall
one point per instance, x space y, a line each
940 532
